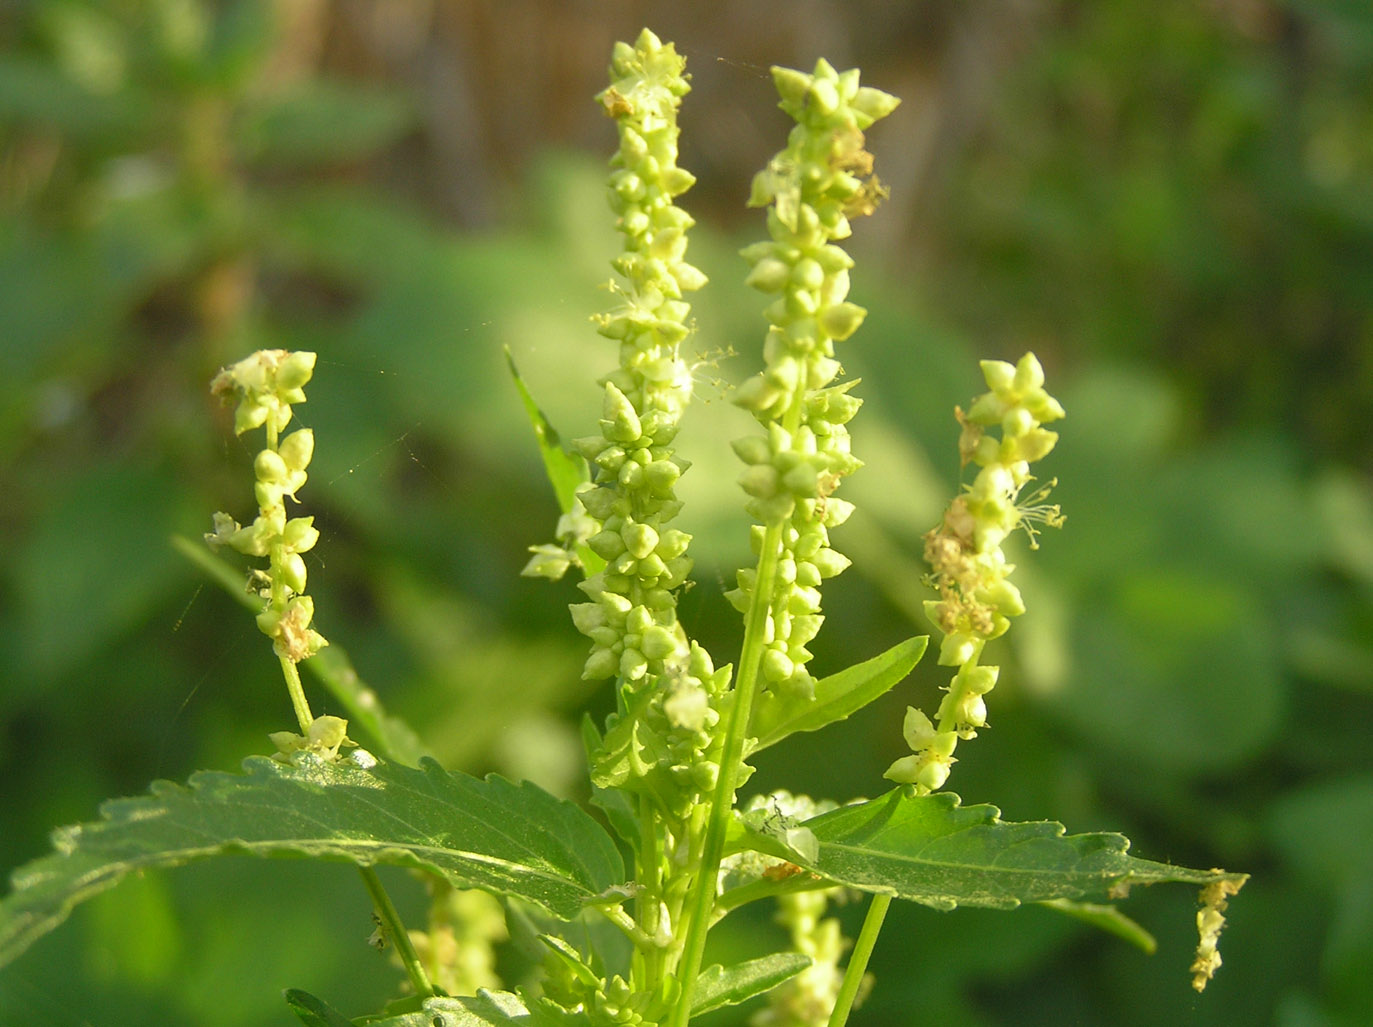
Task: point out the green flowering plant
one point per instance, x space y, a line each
618 898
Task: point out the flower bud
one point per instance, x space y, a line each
633 665
292 572
999 375
270 467
768 275
619 421
601 664
673 543
638 621
295 371
777 666
933 774
841 320
658 642
297 449
300 534
760 481
586 617
639 539
830 563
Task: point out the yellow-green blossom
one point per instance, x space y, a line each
968 568
812 188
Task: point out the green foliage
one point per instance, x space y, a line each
1218 440
840 695
719 986
511 839
932 850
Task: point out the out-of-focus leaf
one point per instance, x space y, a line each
492 834
1107 918
484 1009
1323 830
314 1012
37 95
1344 504
241 39
324 122
97 559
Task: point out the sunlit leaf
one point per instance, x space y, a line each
514 839
485 1009
718 986
932 850
837 696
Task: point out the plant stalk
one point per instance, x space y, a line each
395 930
297 691
858 962
701 901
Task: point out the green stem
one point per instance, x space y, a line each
649 876
701 901
858 962
628 926
298 702
395 929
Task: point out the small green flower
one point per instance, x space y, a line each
265 385
324 738
969 570
813 188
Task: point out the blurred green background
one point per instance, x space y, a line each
1170 202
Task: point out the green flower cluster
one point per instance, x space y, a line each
264 386
976 597
813 188
669 687
631 619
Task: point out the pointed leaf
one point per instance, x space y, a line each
613 802
931 850
717 987
837 696
514 839
1109 919
566 471
485 1009
314 1012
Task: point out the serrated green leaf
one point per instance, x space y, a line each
485 1009
932 850
633 757
837 696
513 839
314 1012
717 986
